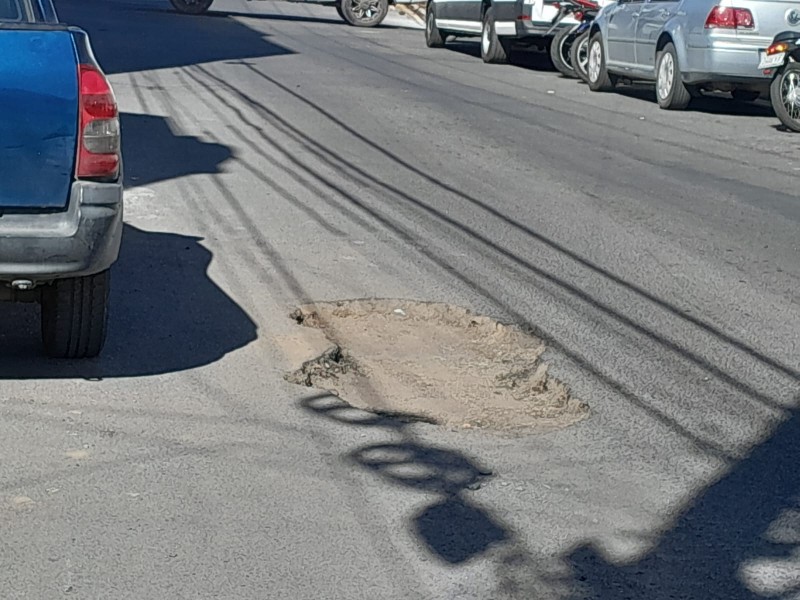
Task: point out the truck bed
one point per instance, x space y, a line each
38 109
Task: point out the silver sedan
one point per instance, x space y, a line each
685 46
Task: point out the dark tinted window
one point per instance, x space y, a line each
11 10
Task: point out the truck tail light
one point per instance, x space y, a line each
99 133
727 17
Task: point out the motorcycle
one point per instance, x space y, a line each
563 41
358 13
579 51
782 59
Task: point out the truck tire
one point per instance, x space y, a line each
191 7
434 37
75 316
364 13
560 51
492 49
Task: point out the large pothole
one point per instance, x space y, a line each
434 362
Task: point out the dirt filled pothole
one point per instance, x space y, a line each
434 362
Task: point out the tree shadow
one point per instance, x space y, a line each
751 515
160 39
167 315
453 529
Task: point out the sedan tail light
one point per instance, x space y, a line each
728 17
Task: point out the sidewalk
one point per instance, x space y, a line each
406 15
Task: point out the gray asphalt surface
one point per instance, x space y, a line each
276 156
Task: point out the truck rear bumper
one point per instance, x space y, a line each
83 240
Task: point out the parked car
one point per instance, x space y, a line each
60 177
501 24
686 46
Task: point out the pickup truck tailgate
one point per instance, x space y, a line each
38 118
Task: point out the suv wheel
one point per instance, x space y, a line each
434 37
492 49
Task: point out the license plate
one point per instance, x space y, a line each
770 61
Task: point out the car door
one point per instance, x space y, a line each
652 20
459 15
621 32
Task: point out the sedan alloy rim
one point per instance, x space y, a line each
666 73
595 58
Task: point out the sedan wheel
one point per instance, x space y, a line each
595 60
671 92
599 78
666 73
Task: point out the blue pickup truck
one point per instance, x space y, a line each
60 177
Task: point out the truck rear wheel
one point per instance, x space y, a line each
364 13
75 316
192 7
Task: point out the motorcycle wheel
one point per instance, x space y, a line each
560 51
579 56
785 96
191 7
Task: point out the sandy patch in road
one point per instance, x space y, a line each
436 363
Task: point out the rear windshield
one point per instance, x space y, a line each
27 11
12 10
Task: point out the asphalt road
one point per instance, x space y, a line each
276 156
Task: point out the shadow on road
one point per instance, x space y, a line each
167 155
160 39
712 104
747 522
167 315
528 58
453 529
